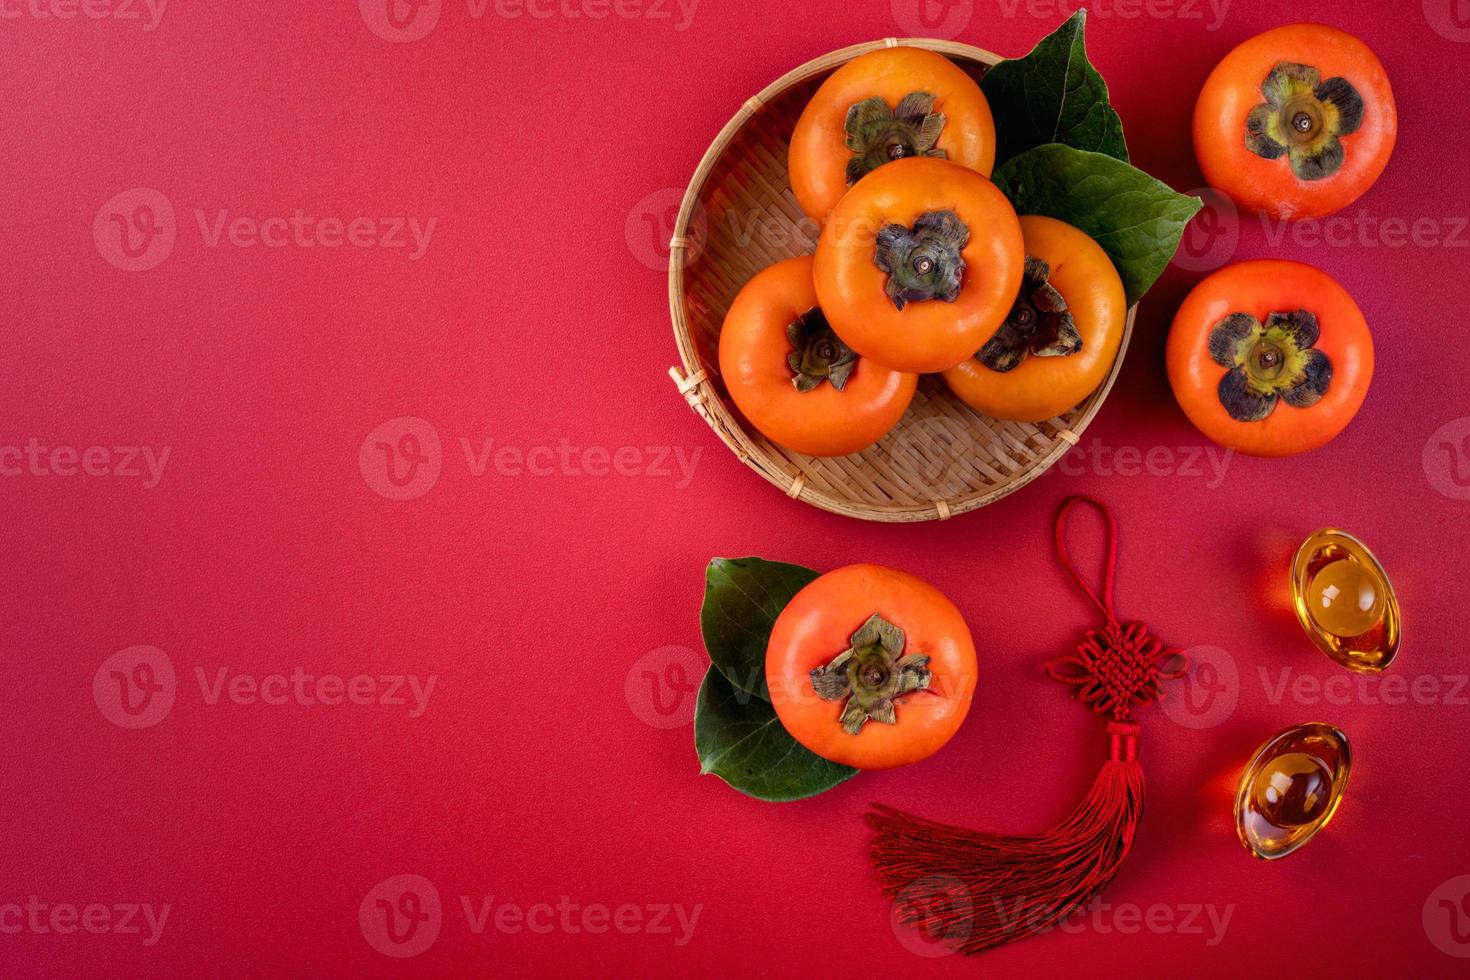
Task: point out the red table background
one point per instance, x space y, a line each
548 144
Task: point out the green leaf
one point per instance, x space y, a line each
1053 95
740 739
1135 218
742 598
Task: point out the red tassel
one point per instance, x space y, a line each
980 890
977 890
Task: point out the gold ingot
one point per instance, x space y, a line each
1291 788
1345 602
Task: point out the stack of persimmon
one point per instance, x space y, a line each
922 267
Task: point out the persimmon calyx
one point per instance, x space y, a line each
817 354
923 262
1039 323
1302 118
871 674
878 134
1269 362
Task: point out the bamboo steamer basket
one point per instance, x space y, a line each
739 216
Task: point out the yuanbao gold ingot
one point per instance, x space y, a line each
1291 788
1345 602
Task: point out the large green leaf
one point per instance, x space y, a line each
742 598
740 739
1053 95
1135 218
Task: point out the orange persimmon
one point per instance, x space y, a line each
1297 122
871 667
888 105
1061 336
1270 357
794 379
919 264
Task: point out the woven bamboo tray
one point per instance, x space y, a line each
739 216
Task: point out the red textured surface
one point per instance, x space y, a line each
547 149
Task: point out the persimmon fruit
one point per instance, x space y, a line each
1270 357
1061 336
881 107
871 667
1297 122
919 264
794 379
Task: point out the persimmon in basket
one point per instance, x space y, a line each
919 264
881 107
1060 338
794 379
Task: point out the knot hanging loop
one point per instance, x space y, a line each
1105 603
1119 667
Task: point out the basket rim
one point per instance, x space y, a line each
697 388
